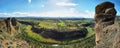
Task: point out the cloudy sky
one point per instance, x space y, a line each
51 8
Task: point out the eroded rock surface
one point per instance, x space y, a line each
104 16
12 25
107 32
10 36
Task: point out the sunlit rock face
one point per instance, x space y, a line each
107 32
105 14
10 34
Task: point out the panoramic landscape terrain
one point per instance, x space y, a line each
59 24
48 32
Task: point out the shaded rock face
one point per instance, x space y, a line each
60 36
14 21
107 32
101 8
105 14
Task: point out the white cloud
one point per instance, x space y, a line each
59 0
89 14
118 13
65 4
68 13
56 13
29 1
14 14
72 10
42 5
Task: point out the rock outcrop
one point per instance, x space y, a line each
104 16
107 32
10 35
12 25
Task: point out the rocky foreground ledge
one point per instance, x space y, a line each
107 31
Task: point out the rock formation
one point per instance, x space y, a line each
107 32
12 25
10 35
104 16
61 36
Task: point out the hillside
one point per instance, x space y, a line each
10 34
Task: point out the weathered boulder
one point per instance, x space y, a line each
101 8
104 16
107 32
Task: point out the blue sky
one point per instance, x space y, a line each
51 8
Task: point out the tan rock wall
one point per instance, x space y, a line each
104 16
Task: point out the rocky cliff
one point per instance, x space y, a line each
10 35
107 31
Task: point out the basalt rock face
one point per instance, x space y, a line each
60 36
107 32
